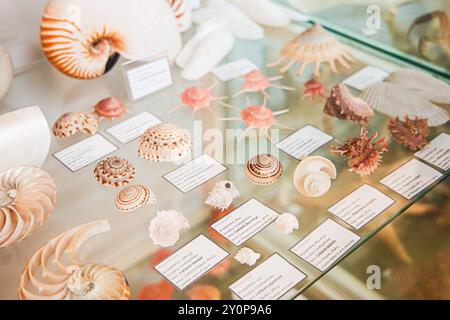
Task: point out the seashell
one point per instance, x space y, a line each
6 72
160 291
313 88
183 13
247 256
395 100
110 108
165 142
343 105
264 169
312 177
197 98
114 172
165 228
25 138
222 195
134 197
264 12
313 46
204 292
27 198
256 81
71 123
55 273
411 133
287 223
84 40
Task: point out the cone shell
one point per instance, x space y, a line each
134 197
165 142
264 169
73 122
114 172
110 108
312 177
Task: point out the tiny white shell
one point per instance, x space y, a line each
222 195
312 177
247 256
287 223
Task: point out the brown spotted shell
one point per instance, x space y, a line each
264 169
71 123
134 197
411 133
114 172
110 108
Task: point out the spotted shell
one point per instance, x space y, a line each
73 122
264 169
197 97
27 198
134 197
114 172
55 272
110 108
313 176
165 142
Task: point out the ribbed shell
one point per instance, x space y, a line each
134 197
110 108
71 123
114 172
264 169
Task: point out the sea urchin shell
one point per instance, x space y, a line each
411 133
114 172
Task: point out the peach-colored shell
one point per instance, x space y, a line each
264 169
110 108
256 81
27 198
114 172
55 272
165 142
134 197
312 177
313 88
258 117
197 97
73 122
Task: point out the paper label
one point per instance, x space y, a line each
366 77
134 127
437 152
233 70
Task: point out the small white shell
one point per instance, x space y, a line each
222 195
247 256
6 73
164 229
312 177
287 223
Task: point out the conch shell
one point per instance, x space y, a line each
247 256
222 195
114 172
83 38
55 273
313 176
71 123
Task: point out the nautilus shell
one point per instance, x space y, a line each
55 273
6 72
114 172
27 198
247 256
71 123
110 108
313 176
411 133
222 195
83 38
183 13
165 142
286 223
134 197
264 169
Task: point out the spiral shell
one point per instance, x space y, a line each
165 142
55 273
110 108
71 123
134 197
264 169
312 177
27 197
247 256
183 13
114 172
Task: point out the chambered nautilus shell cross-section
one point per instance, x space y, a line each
84 38
313 176
56 273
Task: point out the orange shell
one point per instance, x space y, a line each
197 97
110 108
258 117
204 292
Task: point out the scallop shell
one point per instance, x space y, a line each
264 169
313 176
222 195
165 142
114 172
6 72
24 138
71 123
27 198
110 108
134 197
183 13
55 273
247 256
83 39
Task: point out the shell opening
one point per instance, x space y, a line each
7 197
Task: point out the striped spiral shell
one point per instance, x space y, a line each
27 197
114 172
71 123
183 14
264 169
55 273
134 197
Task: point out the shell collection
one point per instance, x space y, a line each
411 133
198 98
313 176
164 229
71 123
134 197
114 172
247 256
110 108
287 223
222 195
256 81
264 169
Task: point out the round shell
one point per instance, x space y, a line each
256 81
114 172
264 169
312 177
197 97
73 122
134 197
165 142
258 117
55 272
110 108
27 197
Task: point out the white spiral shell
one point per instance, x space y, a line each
222 195
247 256
287 223
312 177
55 273
183 13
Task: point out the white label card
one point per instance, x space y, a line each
134 127
233 70
437 152
411 178
361 206
147 77
245 222
366 77
195 173
303 142
85 152
270 280
326 244
191 262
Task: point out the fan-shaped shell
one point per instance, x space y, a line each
110 108
71 123
114 172
312 177
55 273
134 197
6 73
24 138
183 13
165 142
27 197
83 38
264 169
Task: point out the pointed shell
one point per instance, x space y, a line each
222 195
71 123
264 169
247 256
134 197
110 108
114 172
56 273
312 177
